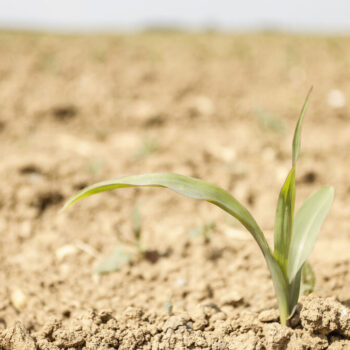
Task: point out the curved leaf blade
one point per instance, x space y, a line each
303 283
281 287
294 291
308 279
307 224
186 186
297 132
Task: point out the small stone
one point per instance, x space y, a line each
277 336
133 313
199 319
181 282
52 325
281 173
271 315
336 98
25 229
96 278
219 316
174 322
224 153
210 309
199 324
18 299
232 299
65 251
237 234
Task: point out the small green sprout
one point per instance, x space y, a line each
203 231
269 122
294 235
148 146
308 279
126 251
169 307
115 260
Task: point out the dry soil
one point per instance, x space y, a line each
75 110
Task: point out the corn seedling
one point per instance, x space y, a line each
169 307
148 146
114 261
126 251
294 235
203 231
269 122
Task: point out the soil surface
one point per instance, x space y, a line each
75 110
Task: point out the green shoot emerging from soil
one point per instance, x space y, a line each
294 234
128 250
203 231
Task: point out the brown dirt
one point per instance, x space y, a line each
78 109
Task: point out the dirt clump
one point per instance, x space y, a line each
208 328
324 316
17 338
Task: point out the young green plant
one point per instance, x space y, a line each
203 231
294 235
126 251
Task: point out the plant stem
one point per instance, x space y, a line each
281 287
284 312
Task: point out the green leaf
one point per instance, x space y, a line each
307 224
294 291
303 283
284 221
186 186
199 189
296 138
308 279
114 261
281 287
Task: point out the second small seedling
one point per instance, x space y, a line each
127 250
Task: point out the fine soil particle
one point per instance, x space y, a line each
75 110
